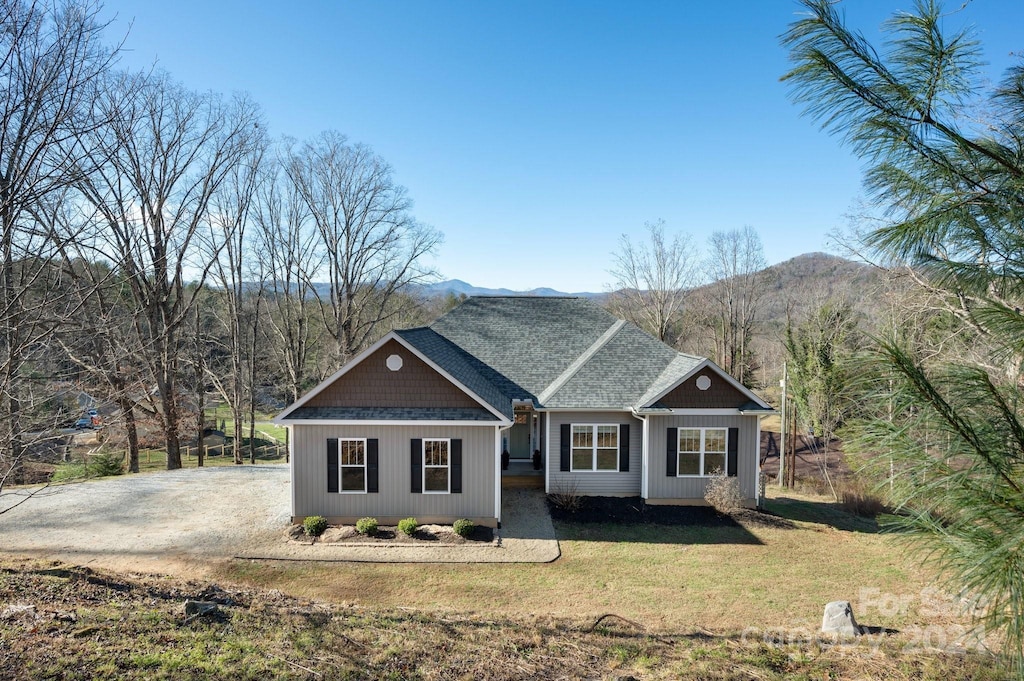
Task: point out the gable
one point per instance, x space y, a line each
370 383
719 395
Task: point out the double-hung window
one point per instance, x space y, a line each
436 466
702 451
595 447
352 464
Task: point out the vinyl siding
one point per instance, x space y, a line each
371 384
394 500
595 483
660 486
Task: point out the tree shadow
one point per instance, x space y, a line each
822 513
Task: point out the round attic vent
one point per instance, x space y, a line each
703 383
394 362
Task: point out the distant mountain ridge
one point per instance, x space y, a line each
458 287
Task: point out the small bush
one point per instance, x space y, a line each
367 526
408 526
108 463
856 498
463 527
566 497
68 471
314 525
723 493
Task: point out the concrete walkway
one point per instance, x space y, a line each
526 536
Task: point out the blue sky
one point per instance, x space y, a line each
534 134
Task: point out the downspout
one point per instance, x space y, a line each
497 470
644 445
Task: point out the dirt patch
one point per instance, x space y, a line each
426 535
629 510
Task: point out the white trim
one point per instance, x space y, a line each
578 410
594 448
580 361
366 454
547 454
758 487
644 455
384 422
291 468
497 473
393 335
447 466
703 450
708 364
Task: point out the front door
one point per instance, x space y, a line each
519 441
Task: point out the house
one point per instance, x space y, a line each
416 424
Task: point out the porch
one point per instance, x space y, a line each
520 474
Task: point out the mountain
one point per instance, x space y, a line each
458 287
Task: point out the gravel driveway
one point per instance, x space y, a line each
165 521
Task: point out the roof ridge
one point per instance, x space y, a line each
578 363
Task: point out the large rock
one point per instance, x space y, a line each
838 619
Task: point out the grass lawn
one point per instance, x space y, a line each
668 578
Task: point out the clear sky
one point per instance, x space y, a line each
534 134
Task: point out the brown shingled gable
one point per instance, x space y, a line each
371 384
721 395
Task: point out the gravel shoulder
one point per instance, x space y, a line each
175 520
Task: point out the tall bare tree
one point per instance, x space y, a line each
653 280
159 163
737 266
50 56
374 247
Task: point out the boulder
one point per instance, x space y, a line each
838 619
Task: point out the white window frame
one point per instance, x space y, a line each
342 466
703 449
447 466
593 447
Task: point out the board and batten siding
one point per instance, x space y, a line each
661 487
594 483
394 500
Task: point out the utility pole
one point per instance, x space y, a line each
782 435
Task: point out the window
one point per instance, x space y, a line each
436 466
702 451
352 460
595 448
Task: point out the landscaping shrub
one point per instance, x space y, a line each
108 463
314 525
463 527
723 493
565 496
68 471
367 526
408 526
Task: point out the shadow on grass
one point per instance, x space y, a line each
821 512
617 519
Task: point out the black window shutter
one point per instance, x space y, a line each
565 447
371 465
624 448
732 449
332 465
456 466
672 454
417 466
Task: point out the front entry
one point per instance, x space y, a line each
519 441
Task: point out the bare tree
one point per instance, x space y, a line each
50 56
161 160
653 280
729 307
374 247
285 249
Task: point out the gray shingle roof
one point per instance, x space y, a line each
388 414
528 340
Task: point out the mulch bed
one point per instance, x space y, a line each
633 510
426 535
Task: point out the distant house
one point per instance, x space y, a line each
416 424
